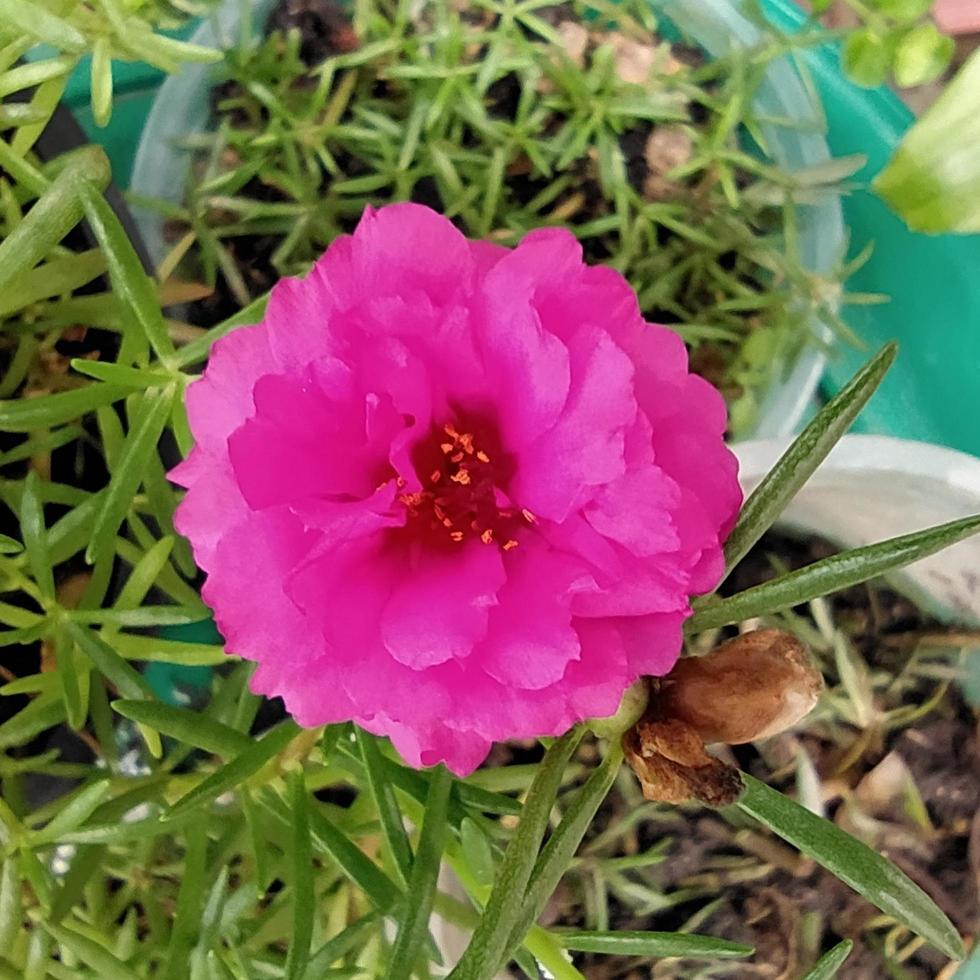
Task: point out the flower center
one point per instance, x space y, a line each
461 498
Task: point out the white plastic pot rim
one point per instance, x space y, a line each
871 488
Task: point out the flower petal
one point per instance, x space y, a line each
527 367
428 745
652 643
637 511
585 447
596 681
302 442
439 610
530 641
221 399
410 247
212 504
254 614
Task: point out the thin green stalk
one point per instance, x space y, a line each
389 815
502 913
558 853
831 575
414 925
303 886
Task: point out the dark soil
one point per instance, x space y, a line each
769 896
324 27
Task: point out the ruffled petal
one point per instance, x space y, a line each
637 511
652 643
595 683
303 318
428 745
408 247
212 504
531 641
584 449
221 399
258 620
308 438
311 690
439 610
527 368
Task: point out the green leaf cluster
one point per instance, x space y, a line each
90 35
495 118
895 40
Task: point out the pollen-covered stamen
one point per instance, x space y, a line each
460 499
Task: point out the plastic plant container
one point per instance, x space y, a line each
182 108
931 394
875 487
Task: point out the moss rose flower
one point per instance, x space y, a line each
454 492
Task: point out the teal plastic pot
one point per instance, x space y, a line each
932 393
182 108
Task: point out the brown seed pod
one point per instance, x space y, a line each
754 686
672 765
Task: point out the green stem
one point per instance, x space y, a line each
558 853
491 940
414 926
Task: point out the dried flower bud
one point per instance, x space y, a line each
669 759
754 686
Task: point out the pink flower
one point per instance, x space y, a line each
454 492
